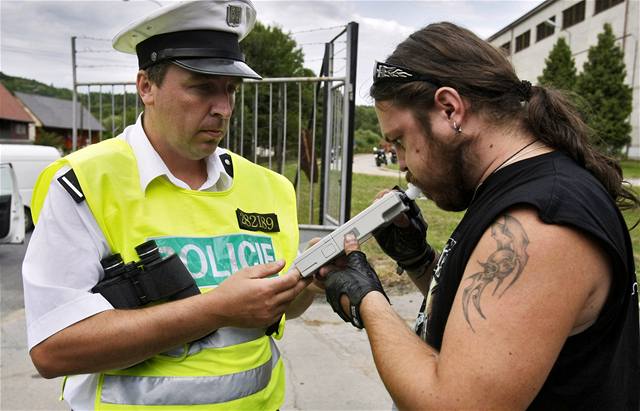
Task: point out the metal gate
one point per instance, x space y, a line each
301 127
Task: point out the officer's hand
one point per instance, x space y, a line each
405 239
256 296
346 287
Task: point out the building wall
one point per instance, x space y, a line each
530 61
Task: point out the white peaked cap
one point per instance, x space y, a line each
200 36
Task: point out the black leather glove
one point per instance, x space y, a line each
356 280
407 245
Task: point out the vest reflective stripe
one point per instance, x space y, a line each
223 337
123 389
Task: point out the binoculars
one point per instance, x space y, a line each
149 280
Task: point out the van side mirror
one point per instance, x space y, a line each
11 209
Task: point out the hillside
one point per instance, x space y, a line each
34 87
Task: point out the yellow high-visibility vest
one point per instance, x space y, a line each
215 234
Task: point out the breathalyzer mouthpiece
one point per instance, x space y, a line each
412 192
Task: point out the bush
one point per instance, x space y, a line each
365 140
48 138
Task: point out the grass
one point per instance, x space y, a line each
630 168
632 217
391 166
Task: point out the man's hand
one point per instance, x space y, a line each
255 298
405 239
347 287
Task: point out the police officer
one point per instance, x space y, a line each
166 178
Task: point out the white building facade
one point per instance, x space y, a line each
529 39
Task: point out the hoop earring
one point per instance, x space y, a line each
456 127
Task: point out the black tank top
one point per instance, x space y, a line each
598 368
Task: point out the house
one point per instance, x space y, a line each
16 125
529 39
55 115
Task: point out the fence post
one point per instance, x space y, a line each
350 107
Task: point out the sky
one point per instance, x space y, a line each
35 36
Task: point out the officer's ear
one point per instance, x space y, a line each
145 88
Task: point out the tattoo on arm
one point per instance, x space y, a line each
508 260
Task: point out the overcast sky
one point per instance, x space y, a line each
35 36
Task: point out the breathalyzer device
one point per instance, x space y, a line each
381 212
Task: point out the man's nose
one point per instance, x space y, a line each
221 105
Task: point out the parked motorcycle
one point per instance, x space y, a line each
394 157
380 156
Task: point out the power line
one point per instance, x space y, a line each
320 29
92 38
35 52
30 50
106 65
340 51
96 51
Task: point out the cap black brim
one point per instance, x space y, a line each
218 67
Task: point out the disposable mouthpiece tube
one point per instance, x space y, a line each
412 192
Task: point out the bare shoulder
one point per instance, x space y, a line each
526 288
520 254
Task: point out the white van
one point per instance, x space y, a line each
11 212
27 161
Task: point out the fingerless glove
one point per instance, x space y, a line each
407 245
356 280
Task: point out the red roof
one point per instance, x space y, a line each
10 107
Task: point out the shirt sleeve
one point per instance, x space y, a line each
61 265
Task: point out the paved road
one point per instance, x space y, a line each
21 388
365 164
329 364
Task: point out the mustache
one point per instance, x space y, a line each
216 125
409 177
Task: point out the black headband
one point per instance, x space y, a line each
188 44
390 72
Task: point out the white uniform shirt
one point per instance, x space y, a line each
62 262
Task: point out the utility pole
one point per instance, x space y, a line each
74 104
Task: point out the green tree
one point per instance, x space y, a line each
366 119
366 140
367 130
560 67
272 52
602 85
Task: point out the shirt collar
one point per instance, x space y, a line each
151 166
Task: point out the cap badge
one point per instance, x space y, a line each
154 56
234 16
